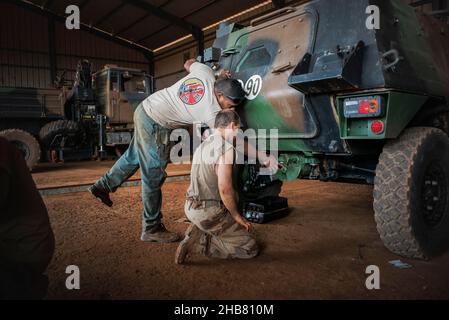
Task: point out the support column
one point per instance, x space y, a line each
199 37
52 49
149 55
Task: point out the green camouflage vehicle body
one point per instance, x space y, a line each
344 97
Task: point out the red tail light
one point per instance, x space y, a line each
363 107
377 127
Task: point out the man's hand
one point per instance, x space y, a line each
188 63
224 74
269 162
243 222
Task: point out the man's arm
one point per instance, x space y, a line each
267 161
227 192
189 63
224 74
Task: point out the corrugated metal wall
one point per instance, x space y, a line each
24 50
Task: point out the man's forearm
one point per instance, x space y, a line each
230 202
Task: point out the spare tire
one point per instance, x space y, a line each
48 132
26 143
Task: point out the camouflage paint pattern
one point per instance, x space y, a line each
310 123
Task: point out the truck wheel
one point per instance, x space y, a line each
411 193
48 132
26 143
441 121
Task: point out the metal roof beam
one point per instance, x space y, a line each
48 4
85 27
186 16
146 15
162 14
109 14
420 3
83 4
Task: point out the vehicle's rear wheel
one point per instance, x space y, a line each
26 143
411 193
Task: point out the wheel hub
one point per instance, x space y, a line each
434 195
24 149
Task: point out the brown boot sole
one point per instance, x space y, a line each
181 252
183 248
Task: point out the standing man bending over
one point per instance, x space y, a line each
196 98
218 230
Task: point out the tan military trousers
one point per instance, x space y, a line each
220 235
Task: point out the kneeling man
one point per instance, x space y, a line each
218 230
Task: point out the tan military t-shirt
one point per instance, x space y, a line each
190 100
203 178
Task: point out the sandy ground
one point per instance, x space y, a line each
321 250
49 175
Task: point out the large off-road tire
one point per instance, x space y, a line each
441 121
411 193
26 143
58 127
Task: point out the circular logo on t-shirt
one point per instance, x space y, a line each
191 91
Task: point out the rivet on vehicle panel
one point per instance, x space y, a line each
301 20
279 51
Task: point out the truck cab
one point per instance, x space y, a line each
119 91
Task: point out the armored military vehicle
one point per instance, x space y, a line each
89 118
353 102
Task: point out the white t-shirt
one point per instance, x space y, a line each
190 100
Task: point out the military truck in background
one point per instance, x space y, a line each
352 103
92 117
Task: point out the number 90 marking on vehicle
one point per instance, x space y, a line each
252 86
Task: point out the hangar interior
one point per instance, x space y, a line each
312 253
155 36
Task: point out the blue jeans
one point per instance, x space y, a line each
149 149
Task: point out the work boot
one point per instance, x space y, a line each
159 233
189 244
101 194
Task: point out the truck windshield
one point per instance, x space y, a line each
135 83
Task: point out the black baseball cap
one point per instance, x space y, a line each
231 89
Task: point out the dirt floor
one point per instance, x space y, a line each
321 250
50 175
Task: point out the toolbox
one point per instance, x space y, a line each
265 209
